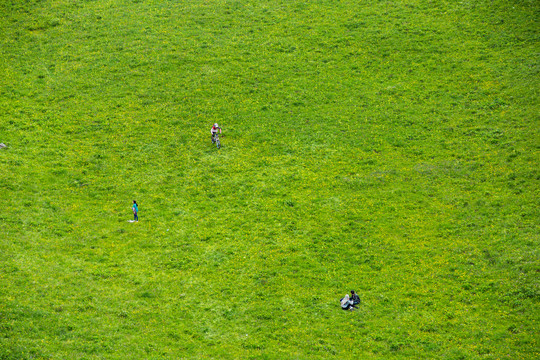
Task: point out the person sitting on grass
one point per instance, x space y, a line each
355 298
346 303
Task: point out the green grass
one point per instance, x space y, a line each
389 147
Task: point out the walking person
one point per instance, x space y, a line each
214 130
135 209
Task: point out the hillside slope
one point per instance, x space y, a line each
390 147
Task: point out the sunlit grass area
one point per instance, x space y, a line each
387 147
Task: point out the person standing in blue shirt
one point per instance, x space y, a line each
135 211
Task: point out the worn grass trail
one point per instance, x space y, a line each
386 147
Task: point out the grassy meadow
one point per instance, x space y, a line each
390 147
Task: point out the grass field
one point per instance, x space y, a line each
390 147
